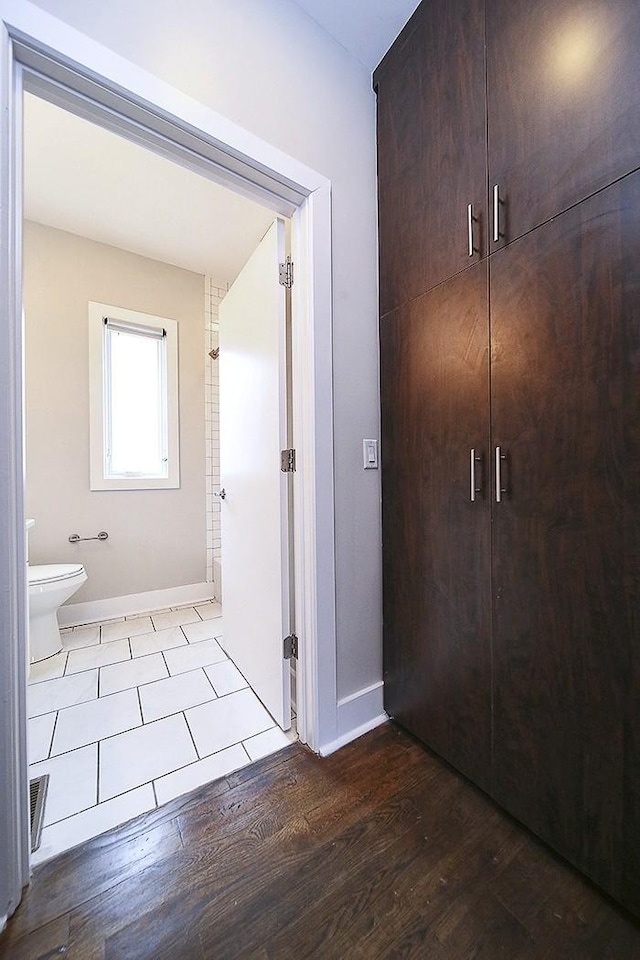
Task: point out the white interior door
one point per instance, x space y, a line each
255 509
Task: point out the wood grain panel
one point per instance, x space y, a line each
565 321
431 149
434 363
380 851
563 81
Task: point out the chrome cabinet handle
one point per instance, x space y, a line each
470 220
499 488
496 213
474 458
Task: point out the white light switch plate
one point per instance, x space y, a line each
370 454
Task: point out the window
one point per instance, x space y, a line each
134 399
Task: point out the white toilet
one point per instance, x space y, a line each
50 584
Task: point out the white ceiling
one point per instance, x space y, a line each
88 181
81 178
366 28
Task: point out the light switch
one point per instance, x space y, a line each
370 454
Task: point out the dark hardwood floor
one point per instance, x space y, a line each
381 850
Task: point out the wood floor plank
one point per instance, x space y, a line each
371 874
379 851
248 844
87 871
430 886
48 941
153 939
309 877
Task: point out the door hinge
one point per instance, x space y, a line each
290 647
285 275
288 460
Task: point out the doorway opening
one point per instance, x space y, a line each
51 60
145 700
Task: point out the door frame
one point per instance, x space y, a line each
42 55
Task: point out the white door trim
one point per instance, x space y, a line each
14 826
62 65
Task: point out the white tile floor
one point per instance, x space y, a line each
135 712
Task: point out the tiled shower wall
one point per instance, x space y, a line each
214 291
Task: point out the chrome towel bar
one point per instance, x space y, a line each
75 537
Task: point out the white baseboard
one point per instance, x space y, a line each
358 713
93 611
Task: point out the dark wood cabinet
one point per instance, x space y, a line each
431 150
435 376
512 621
565 324
563 114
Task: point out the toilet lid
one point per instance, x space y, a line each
49 572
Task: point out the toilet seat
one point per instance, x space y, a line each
42 573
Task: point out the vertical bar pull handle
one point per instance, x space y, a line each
474 458
496 213
499 488
470 219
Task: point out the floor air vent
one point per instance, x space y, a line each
37 797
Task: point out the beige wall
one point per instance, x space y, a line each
156 537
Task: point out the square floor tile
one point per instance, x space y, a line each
90 823
48 669
194 655
174 618
226 721
81 637
165 697
40 732
131 673
157 640
98 656
265 743
225 677
202 630
197 774
209 611
125 628
73 779
55 694
95 720
139 756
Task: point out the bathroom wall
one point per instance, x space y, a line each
157 538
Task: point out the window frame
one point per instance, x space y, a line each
98 411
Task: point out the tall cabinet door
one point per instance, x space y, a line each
434 362
563 81
431 150
565 384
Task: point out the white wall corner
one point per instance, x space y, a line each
358 713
